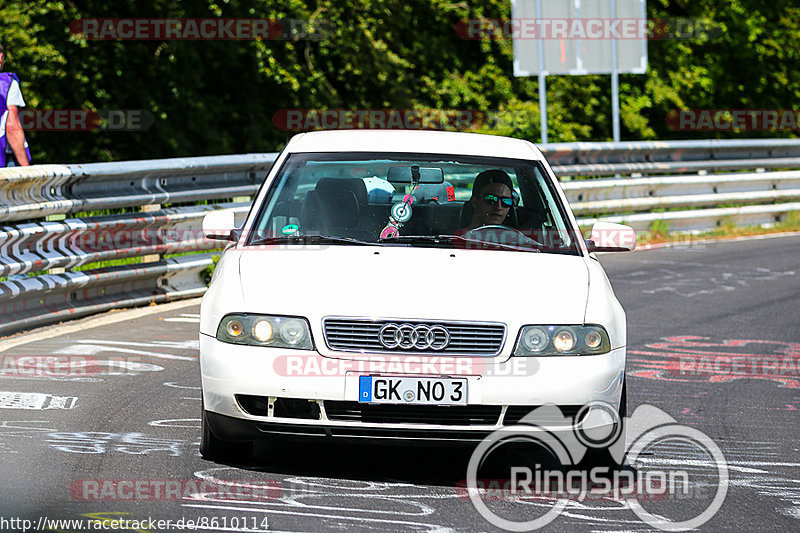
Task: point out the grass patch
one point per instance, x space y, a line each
109 263
727 230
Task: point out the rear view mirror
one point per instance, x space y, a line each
610 237
415 174
219 225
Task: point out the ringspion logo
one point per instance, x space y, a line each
568 441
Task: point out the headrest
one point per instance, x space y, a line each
335 186
439 193
380 191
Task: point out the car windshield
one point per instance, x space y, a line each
413 200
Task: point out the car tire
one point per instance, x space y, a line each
215 449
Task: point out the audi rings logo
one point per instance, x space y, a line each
414 336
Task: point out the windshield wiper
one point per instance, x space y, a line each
533 246
419 239
310 239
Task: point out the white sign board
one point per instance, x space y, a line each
576 36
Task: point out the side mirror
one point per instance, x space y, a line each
610 237
219 225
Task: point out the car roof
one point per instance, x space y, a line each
413 141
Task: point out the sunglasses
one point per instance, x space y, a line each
505 201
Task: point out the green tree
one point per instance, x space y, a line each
215 97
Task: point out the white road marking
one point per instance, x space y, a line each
294 501
94 442
188 320
192 423
112 317
175 385
295 512
35 401
87 347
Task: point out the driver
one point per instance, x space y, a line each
491 199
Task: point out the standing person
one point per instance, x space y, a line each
12 137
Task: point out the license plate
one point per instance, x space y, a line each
432 391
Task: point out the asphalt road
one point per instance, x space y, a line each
714 342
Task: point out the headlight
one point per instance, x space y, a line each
562 340
266 330
534 340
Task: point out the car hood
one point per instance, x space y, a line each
414 283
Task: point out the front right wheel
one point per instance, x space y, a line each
215 449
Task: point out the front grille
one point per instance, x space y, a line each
361 335
515 413
456 415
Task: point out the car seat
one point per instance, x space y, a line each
334 207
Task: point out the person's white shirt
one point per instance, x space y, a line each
15 95
14 98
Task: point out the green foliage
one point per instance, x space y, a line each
208 272
214 97
108 263
659 229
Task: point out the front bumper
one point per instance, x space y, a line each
251 392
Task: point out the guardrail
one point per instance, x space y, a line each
693 197
699 191
45 247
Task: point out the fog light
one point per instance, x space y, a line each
564 341
234 328
262 331
599 425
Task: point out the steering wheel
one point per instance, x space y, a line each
519 238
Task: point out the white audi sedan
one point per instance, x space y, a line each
406 286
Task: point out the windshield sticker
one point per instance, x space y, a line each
289 229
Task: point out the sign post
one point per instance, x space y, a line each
579 37
542 79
